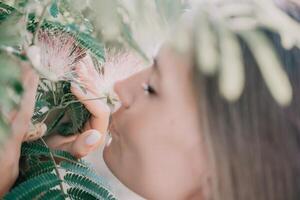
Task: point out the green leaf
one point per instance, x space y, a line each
90 43
87 185
79 194
34 187
5 11
54 194
54 11
64 155
10 26
40 168
83 170
34 149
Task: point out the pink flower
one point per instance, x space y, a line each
55 55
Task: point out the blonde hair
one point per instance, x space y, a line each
253 143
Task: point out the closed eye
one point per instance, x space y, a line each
148 89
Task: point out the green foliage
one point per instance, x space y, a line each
217 48
10 25
46 173
10 86
88 186
10 89
61 103
5 11
78 194
42 176
54 9
33 187
85 40
53 194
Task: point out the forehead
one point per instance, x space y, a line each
170 61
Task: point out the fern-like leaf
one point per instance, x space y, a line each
78 194
89 186
5 11
64 155
40 168
34 187
34 149
83 170
54 11
92 44
54 194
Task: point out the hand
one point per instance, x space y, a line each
91 81
79 145
20 121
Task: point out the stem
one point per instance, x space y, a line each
55 167
71 161
40 23
62 106
53 93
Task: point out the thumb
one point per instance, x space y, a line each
87 142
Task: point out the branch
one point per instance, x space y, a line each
55 167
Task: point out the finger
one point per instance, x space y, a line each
86 143
78 145
89 77
60 142
80 94
21 120
96 106
35 132
100 123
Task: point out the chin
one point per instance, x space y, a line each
106 155
110 157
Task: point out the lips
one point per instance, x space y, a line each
117 105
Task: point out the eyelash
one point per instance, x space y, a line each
148 89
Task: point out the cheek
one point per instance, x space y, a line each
144 126
138 129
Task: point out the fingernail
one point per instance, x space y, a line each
93 138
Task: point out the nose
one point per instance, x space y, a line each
120 90
129 89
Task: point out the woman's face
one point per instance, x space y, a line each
156 148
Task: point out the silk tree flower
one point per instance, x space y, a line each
55 55
58 56
118 67
100 85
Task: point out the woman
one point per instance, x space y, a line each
163 147
175 137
